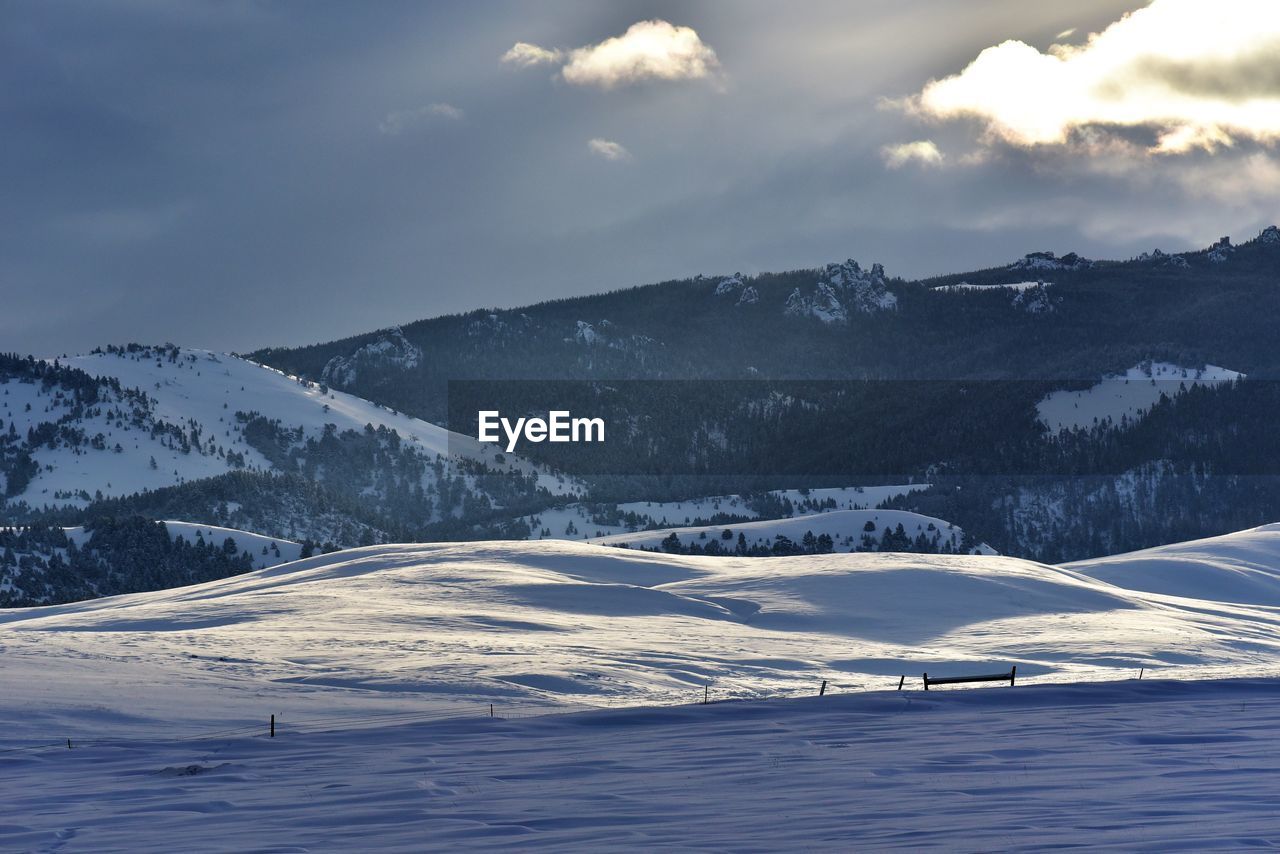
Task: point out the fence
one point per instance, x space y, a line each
274 725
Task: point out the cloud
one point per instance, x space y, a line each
401 120
648 50
921 151
525 55
1187 73
608 149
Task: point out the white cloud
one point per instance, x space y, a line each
921 151
1196 75
648 50
401 120
527 55
608 149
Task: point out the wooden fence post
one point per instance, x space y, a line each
926 681
1013 674
273 726
823 689
706 694
902 681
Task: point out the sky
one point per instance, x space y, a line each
242 174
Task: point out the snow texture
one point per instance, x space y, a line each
1136 765
1238 567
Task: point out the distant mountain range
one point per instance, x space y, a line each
729 384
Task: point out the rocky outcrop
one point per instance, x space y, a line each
390 352
1049 261
842 291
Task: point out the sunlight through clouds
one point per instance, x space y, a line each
923 152
1195 75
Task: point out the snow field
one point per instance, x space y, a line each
428 627
1148 766
380 665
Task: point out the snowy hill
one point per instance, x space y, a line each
1240 567
390 628
848 530
380 665
1126 396
190 429
167 432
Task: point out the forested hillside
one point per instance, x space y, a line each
732 384
841 375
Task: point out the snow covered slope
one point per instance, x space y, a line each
1128 395
380 665
266 551
850 530
439 627
1122 766
1240 567
207 387
189 429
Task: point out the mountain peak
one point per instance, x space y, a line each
843 289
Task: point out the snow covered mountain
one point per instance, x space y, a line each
1050 261
843 290
181 414
143 421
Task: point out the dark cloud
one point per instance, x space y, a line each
241 174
